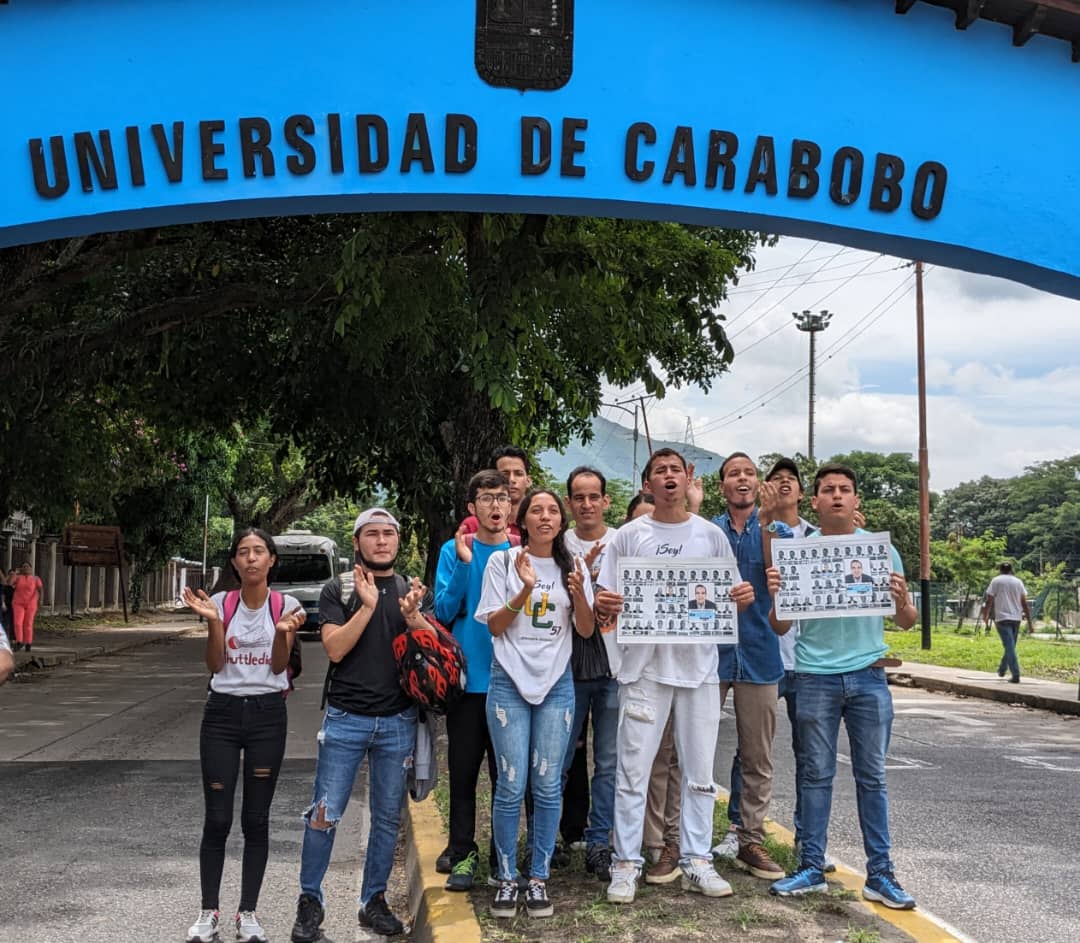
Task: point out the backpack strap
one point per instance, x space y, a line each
277 605
229 606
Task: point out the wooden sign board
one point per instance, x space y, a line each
92 545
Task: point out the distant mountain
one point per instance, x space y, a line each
611 451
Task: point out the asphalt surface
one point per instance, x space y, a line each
101 802
984 813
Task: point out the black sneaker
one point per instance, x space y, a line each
537 902
598 862
463 875
444 863
376 915
309 917
504 903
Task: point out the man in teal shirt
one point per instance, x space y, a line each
459 578
837 677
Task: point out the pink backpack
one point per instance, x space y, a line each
277 606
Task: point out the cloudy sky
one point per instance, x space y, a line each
1002 381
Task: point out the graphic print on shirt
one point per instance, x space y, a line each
540 609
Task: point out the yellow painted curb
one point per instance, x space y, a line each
920 925
438 915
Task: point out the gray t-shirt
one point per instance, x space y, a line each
682 666
535 649
1007 592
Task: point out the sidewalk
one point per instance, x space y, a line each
83 638
1058 696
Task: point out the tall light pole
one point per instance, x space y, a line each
811 323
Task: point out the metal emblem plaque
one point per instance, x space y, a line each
525 44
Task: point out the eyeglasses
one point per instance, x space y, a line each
486 500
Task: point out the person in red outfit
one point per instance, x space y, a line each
25 602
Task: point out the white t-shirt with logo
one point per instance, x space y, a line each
1008 591
682 666
249 639
579 547
535 649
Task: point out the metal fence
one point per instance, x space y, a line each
83 589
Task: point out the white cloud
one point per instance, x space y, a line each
999 366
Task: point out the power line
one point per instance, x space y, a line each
780 278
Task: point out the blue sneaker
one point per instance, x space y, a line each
885 889
803 881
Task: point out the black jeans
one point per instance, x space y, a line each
468 740
256 725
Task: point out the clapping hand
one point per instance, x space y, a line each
463 545
768 496
695 490
364 586
525 570
292 621
576 580
410 604
590 557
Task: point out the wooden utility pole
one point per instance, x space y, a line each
924 465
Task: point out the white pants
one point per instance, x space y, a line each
643 711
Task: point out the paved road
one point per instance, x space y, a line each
986 823
102 804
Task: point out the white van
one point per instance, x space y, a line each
305 563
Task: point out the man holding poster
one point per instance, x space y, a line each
837 678
659 679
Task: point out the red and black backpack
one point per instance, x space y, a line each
431 666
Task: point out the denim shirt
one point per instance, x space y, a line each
756 659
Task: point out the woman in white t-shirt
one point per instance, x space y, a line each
533 597
244 712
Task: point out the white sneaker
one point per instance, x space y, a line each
248 929
623 884
205 929
728 846
699 876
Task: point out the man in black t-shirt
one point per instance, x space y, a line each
367 715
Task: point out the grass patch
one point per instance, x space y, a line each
862 935
1039 658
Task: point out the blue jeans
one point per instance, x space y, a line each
1009 662
530 744
344 740
862 699
602 697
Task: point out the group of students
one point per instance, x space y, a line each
534 604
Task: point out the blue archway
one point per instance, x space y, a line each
834 119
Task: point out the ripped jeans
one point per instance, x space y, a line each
643 712
530 743
344 740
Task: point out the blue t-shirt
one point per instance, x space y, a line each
832 646
457 595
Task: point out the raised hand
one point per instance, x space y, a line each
695 490
590 557
292 620
768 496
201 604
525 570
576 580
742 594
364 586
858 518
410 602
463 544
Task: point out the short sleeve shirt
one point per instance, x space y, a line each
1007 592
249 641
684 666
535 649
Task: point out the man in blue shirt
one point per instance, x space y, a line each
837 676
752 668
459 578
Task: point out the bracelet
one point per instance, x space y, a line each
511 608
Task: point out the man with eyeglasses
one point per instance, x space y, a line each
459 579
513 463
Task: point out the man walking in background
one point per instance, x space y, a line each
1007 602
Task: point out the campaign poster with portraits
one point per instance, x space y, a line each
834 577
679 602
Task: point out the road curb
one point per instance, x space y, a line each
438 915
921 925
1004 695
37 662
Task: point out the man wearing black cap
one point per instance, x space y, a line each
367 715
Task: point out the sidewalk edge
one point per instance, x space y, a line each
921 925
1006 695
438 915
